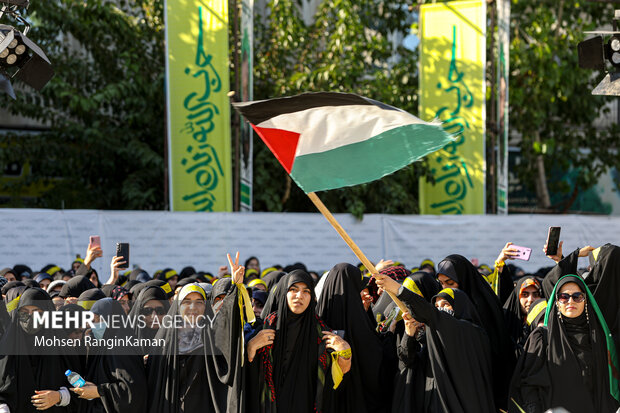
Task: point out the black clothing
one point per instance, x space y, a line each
199 369
369 385
566 362
458 353
489 309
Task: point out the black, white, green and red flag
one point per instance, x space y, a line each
328 140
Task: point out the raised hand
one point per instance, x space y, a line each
92 253
383 264
114 268
237 271
558 256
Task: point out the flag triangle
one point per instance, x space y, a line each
282 143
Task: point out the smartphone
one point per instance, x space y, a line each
95 241
523 253
553 240
339 333
122 250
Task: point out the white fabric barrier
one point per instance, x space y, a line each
158 239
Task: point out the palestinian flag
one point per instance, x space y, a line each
330 140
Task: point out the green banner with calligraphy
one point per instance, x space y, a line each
452 89
197 83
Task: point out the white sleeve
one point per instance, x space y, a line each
65 397
4 408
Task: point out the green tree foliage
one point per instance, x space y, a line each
551 105
102 142
345 49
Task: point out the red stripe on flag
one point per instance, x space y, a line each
282 143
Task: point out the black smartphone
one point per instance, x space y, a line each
122 250
553 240
339 332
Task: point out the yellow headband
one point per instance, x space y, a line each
534 312
53 270
191 288
412 286
448 291
87 304
170 274
166 287
257 281
12 305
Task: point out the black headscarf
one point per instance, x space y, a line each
419 282
569 362
120 379
11 284
88 298
368 387
516 323
461 270
605 278
294 370
146 295
414 367
34 369
216 363
536 313
76 286
12 297
458 352
272 278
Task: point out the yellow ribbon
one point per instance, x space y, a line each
87 304
337 373
244 301
535 311
12 305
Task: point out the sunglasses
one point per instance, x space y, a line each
146 311
577 297
534 294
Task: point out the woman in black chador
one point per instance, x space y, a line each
457 351
296 361
571 361
32 378
199 368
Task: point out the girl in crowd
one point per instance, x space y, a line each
298 361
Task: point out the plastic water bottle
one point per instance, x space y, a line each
74 378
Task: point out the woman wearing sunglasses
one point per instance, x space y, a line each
152 304
570 361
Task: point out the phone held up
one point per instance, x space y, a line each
553 240
523 253
95 241
122 250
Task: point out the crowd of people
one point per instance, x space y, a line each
446 336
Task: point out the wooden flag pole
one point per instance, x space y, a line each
356 250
